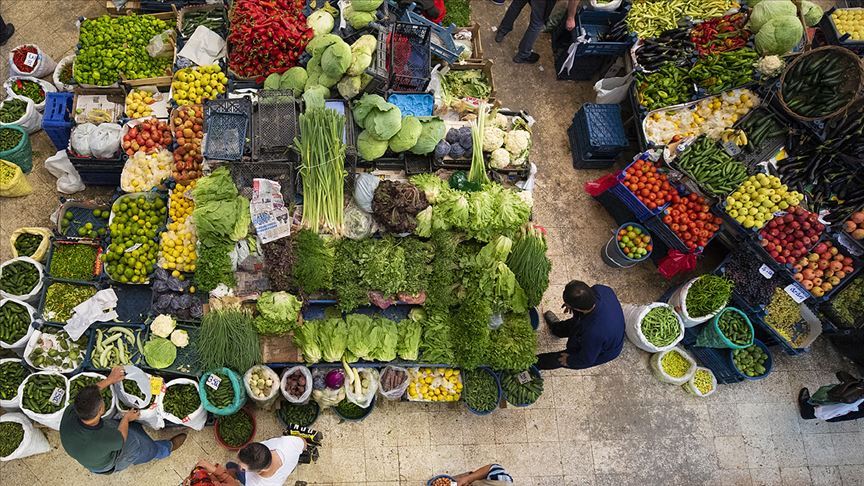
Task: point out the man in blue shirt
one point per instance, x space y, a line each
595 332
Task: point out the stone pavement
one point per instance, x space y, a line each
614 424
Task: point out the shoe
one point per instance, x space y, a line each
550 317
500 35
531 59
497 2
845 377
177 441
10 30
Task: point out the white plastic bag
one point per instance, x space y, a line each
633 315
40 63
305 396
31 120
150 414
19 345
273 394
396 392
34 441
61 86
364 190
80 139
13 403
362 400
50 420
68 180
32 296
46 86
678 300
691 387
109 410
661 374
161 45
605 7
49 342
195 420
611 91
104 140
832 410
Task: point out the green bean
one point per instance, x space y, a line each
708 294
73 261
660 326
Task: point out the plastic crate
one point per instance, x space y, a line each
82 213
136 357
57 118
228 120
769 146
277 124
414 103
282 172
410 57
55 242
186 363
442 44
54 328
637 207
43 293
133 302
664 233
158 6
714 359
584 68
595 24
834 37
599 130
417 164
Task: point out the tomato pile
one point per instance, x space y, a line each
150 136
690 218
649 185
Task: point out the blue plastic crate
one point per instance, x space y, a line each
57 118
633 203
596 23
714 359
579 161
600 130
413 104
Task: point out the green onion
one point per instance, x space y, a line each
322 154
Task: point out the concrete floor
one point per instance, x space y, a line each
614 424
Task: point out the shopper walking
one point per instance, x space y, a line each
489 475
269 463
834 403
594 332
6 31
540 11
108 446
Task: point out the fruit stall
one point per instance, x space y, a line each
749 121
297 223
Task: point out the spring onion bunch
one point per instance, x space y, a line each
322 155
477 174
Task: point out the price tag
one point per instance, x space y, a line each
156 383
731 148
57 396
31 59
796 292
766 271
524 377
213 381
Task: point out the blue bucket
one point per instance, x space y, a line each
440 476
769 363
612 254
497 382
534 316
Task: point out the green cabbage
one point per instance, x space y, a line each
366 5
407 136
779 36
319 43
812 13
320 22
335 60
358 20
272 81
314 97
369 147
159 352
768 10
349 87
432 133
294 79
374 113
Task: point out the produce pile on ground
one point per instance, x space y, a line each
435 384
26 244
520 389
735 327
703 380
11 436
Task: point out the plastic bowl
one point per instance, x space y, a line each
497 382
440 476
251 436
534 372
286 403
769 363
368 411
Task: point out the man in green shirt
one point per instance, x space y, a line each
108 446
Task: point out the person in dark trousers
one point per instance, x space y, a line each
108 446
594 332
834 403
540 11
6 31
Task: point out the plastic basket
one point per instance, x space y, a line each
227 122
139 330
133 302
282 172
500 392
410 57
285 403
82 213
277 121
417 164
359 419
75 241
413 104
596 23
769 363
599 130
57 118
98 172
636 206
835 37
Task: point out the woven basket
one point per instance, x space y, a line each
854 82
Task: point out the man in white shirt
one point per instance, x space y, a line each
269 463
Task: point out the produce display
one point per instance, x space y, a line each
212 18
723 71
115 346
648 184
396 205
74 261
735 327
784 316
760 126
14 321
176 297
520 389
669 84
759 197
12 374
138 103
742 269
823 268
847 305
703 380
38 390
750 360
61 298
19 278
445 481
507 140
303 415
143 172
194 85
295 384
854 226
481 391
26 244
350 410
789 237
708 294
720 34
223 395
66 73
177 251
435 384
690 218
711 167
187 123
11 436
235 430
816 85
650 18
12 110
531 266
322 171
86 229
283 25
671 46
277 313
181 399
131 387
777 26
709 116
151 135
392 379
849 21
136 222
29 89
466 83
674 364
227 339
79 382
54 350
9 138
19 59
660 326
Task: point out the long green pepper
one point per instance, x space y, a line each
73 261
660 326
480 392
181 400
708 294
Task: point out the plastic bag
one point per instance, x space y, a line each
104 140
599 186
362 400
31 120
32 296
364 190
306 394
358 224
42 251
162 45
690 385
68 180
13 403
38 64
34 441
678 300
605 6
661 374
150 415
195 420
676 262
80 139
611 91
633 315
12 180
61 86
19 345
109 410
50 420
272 395
46 87
396 392
710 336
233 381
326 397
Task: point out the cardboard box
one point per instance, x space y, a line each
476 43
485 66
112 100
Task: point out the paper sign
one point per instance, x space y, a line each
523 377
132 248
31 59
213 381
271 218
731 148
57 396
796 292
766 271
156 383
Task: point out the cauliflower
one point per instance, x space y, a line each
500 158
163 325
180 338
493 138
770 66
517 141
501 121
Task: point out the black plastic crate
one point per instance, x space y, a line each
161 6
43 294
228 121
282 172
186 363
133 302
82 213
715 359
55 242
410 57
596 23
417 164
581 163
584 68
834 37
600 130
276 123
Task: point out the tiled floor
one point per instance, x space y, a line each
614 424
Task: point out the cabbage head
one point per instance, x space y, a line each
349 87
319 43
294 79
369 147
779 36
320 22
159 352
272 81
366 5
358 20
380 118
336 59
812 13
432 133
407 136
768 10
314 96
